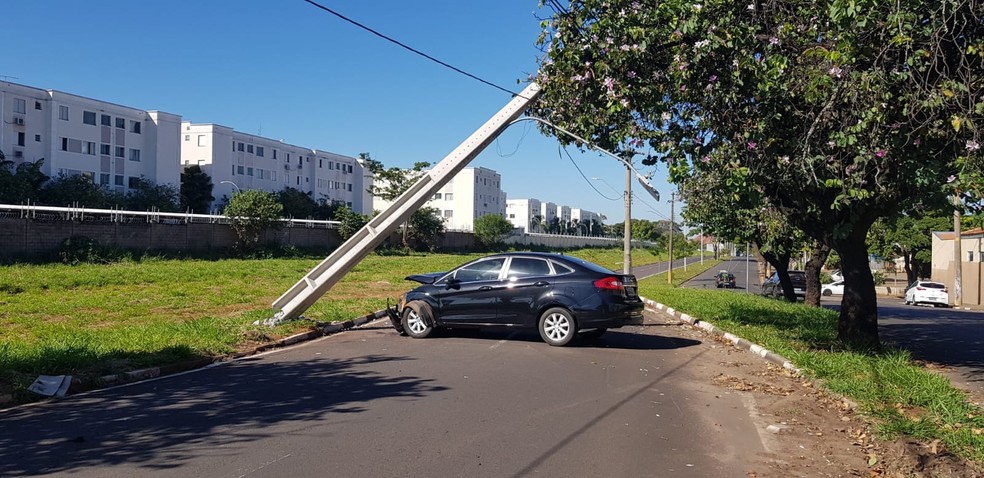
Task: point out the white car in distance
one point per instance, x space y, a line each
834 288
927 292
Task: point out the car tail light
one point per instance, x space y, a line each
944 290
920 288
608 283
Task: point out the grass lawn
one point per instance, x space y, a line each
93 320
902 397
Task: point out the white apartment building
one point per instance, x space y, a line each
549 211
111 144
469 195
564 213
240 160
522 213
585 217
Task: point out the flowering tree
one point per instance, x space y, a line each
837 111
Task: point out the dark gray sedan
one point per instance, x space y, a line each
561 296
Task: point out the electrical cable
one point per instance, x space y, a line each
407 47
561 148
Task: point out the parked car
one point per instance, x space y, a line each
724 279
772 288
836 275
561 296
927 292
834 288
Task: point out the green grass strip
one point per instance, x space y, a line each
901 396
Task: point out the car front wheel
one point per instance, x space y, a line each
557 326
417 320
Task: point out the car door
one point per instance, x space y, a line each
527 279
469 294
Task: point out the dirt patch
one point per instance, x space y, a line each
806 430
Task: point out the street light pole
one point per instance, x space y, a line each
627 241
669 272
233 185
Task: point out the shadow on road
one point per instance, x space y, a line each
624 338
259 395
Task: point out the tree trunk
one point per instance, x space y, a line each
858 325
763 265
911 273
780 262
818 256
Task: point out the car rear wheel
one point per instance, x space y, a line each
592 334
557 326
827 293
417 320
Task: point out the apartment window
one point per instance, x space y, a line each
134 154
287 159
320 163
239 170
298 180
249 171
350 187
64 144
63 113
104 179
259 151
133 182
104 149
90 147
274 154
448 213
20 106
106 120
437 195
201 140
331 166
449 196
273 175
135 127
233 169
37 105
120 152
37 138
118 180
20 138
234 146
241 147
249 148
120 123
188 138
89 117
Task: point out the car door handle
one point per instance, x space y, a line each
541 283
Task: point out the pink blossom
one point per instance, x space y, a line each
880 153
752 145
713 78
951 178
705 159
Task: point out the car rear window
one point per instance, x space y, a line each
933 285
588 265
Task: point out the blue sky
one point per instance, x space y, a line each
287 70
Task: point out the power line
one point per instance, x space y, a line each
407 47
561 148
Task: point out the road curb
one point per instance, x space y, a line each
734 339
322 329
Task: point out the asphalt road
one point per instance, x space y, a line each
950 337
370 403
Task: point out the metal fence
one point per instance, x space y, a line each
50 213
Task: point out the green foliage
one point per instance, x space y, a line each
64 190
491 229
147 196
252 212
350 220
425 229
22 182
297 204
196 190
83 250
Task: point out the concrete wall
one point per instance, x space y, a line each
37 238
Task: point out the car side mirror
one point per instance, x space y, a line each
453 284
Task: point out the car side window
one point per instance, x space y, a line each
481 270
521 267
561 269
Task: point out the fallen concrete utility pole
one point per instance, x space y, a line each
316 283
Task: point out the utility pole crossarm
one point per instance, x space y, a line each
316 283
